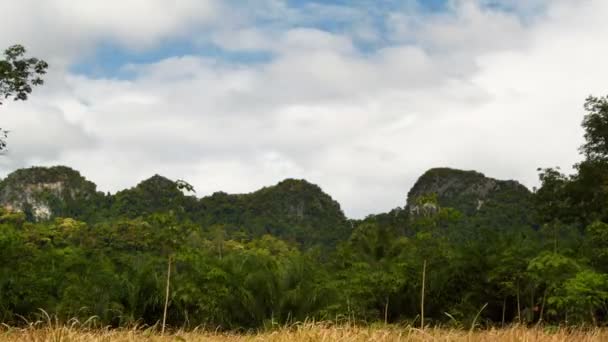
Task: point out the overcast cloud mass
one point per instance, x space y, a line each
359 97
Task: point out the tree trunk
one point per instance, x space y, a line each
518 305
504 306
166 296
593 317
386 311
422 295
542 307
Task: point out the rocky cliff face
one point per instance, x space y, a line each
467 191
43 192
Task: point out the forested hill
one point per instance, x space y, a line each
293 210
43 193
483 201
467 191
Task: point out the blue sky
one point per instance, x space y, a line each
359 97
108 58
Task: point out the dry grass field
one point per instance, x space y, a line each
310 332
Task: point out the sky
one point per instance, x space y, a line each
359 97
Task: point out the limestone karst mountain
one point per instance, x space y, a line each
492 202
293 209
42 193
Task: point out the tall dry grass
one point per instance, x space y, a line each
43 331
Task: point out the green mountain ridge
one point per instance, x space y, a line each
294 209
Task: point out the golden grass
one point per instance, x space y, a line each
306 332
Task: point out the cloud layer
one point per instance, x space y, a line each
358 102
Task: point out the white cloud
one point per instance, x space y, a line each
475 89
38 132
63 30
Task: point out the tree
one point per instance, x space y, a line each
548 271
580 198
595 124
595 246
550 200
375 273
583 295
589 187
18 76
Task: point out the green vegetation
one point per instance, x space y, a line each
18 76
494 252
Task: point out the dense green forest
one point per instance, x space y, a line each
287 252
